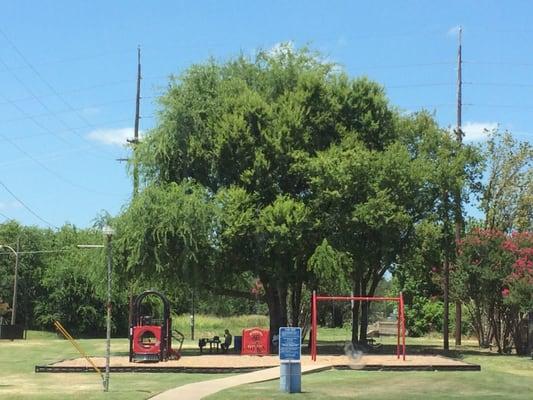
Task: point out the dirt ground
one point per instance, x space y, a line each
240 361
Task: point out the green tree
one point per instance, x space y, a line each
253 163
507 199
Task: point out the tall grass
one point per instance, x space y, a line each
210 325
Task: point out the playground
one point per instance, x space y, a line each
223 363
151 348
500 376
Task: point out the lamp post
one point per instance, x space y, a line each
108 233
15 281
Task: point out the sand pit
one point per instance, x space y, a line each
228 363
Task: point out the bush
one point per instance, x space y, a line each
423 316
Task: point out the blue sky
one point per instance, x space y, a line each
67 73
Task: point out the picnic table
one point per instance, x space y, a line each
213 343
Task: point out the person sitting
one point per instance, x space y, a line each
202 343
227 341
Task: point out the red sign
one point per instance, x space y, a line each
255 341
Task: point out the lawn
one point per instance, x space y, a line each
506 377
19 381
501 377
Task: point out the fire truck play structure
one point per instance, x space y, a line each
400 349
151 338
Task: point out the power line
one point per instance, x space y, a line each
4 216
527 85
56 113
508 63
384 66
512 106
26 206
85 89
50 156
21 82
104 124
51 171
418 85
68 60
44 80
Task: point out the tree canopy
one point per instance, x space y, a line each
281 167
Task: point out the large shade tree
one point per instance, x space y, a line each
254 162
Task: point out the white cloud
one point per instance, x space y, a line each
477 131
112 136
281 48
9 205
453 31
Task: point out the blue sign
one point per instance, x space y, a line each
290 344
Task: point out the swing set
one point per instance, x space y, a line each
400 349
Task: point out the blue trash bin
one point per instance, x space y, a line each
237 344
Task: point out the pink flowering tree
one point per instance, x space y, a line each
494 278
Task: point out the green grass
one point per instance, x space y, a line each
209 325
18 359
19 381
501 377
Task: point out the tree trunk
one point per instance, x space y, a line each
366 307
282 300
446 322
296 299
355 309
364 322
458 322
274 310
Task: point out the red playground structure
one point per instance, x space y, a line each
151 338
400 349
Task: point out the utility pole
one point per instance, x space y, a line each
134 143
135 139
458 205
458 130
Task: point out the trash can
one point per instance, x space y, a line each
237 344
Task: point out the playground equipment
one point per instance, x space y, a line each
400 349
61 329
151 338
255 341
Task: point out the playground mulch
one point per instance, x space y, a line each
227 363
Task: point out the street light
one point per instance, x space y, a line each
14 306
108 233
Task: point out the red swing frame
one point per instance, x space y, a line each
400 349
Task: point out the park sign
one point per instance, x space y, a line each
290 344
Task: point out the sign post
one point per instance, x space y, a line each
290 354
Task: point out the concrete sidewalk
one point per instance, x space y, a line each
199 390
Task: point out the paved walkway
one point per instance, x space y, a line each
198 390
